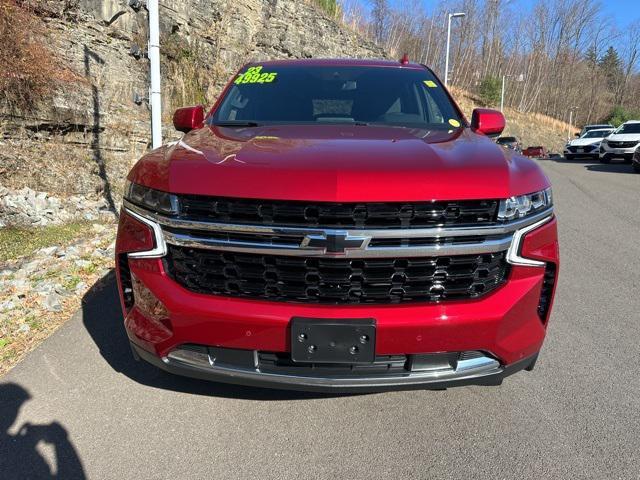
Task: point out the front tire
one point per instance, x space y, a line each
636 167
568 157
605 159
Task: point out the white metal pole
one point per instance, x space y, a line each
570 120
446 61
502 94
155 94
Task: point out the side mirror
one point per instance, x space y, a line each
577 135
187 118
488 122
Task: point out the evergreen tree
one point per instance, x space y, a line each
611 67
490 90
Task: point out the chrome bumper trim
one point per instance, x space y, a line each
466 369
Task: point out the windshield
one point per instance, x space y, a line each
629 128
295 94
596 134
507 140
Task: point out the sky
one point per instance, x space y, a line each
623 11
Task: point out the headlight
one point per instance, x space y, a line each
154 200
524 205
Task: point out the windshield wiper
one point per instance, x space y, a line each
235 123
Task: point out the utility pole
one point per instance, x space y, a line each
571 120
446 61
504 77
155 93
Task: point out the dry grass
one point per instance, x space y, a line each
530 128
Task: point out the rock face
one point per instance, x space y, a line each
28 208
86 139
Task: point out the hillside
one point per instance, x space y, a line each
530 128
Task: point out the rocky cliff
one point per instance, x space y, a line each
85 139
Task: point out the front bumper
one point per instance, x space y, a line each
608 152
506 325
576 153
474 371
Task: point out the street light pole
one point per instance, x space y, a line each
446 61
155 98
571 121
504 77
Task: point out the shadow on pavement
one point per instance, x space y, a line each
573 160
19 457
616 166
102 318
611 167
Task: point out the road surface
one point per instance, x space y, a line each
576 416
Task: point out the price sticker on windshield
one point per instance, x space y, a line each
255 75
430 84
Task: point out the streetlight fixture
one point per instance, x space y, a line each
446 62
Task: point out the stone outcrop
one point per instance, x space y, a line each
28 208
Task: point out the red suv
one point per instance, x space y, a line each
535 152
337 225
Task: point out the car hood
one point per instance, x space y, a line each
625 137
581 142
338 163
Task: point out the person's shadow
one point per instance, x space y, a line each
19 457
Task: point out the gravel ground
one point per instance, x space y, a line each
575 416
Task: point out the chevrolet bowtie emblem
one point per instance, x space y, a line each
335 242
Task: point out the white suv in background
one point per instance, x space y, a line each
622 143
588 145
595 126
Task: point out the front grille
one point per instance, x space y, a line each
586 148
622 144
338 215
336 280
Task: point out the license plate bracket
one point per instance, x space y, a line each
344 341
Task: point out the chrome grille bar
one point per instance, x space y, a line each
302 241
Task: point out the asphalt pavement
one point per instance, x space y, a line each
85 408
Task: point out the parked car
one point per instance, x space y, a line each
597 126
588 145
510 142
535 152
622 143
337 225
